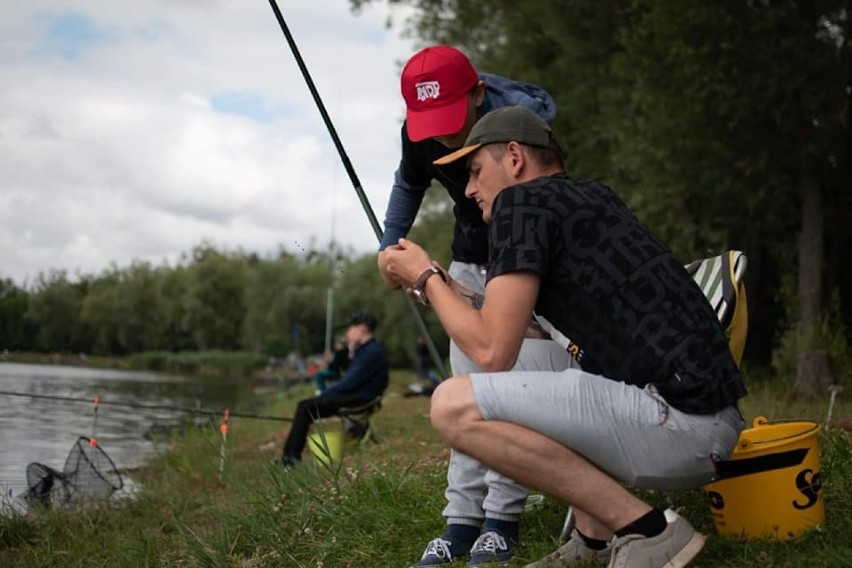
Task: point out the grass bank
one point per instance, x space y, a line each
377 508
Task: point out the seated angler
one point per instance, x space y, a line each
364 379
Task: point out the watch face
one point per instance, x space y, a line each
421 297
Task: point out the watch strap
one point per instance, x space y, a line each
421 282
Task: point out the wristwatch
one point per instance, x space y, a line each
417 289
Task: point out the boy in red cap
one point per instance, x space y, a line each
444 97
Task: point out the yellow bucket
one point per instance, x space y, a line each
326 446
770 488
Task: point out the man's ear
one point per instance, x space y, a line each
516 158
479 93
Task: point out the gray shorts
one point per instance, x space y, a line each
630 433
469 275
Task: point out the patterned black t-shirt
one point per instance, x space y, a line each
616 291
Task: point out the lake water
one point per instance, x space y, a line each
44 430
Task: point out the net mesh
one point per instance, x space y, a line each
90 471
47 487
88 474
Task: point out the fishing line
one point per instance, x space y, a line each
353 177
147 406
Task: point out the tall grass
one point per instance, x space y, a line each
378 507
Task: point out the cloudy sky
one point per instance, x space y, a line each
137 130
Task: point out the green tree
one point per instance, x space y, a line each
54 309
173 284
99 311
286 300
263 331
139 309
15 331
213 302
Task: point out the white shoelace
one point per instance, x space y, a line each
490 542
440 548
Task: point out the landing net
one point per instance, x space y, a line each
88 475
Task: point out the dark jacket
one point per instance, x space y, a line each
339 361
367 375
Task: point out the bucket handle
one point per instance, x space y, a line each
746 443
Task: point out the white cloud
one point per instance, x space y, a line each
136 131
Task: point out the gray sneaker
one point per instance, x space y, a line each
437 552
572 552
675 547
492 549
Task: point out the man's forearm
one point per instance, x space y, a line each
489 332
475 300
491 347
403 205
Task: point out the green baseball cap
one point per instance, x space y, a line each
505 125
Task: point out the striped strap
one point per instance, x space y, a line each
719 278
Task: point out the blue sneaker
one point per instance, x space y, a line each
438 551
492 548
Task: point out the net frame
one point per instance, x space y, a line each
90 471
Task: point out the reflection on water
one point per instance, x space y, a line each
44 430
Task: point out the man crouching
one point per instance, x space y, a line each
654 403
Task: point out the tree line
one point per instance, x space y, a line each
219 300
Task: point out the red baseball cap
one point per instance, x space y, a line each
435 84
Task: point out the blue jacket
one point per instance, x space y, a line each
416 173
367 375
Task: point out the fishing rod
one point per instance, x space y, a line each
353 177
148 406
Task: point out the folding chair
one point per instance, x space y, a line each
356 420
721 279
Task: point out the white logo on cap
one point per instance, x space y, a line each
428 90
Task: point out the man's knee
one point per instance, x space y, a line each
453 406
306 407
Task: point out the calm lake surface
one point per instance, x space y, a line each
44 430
